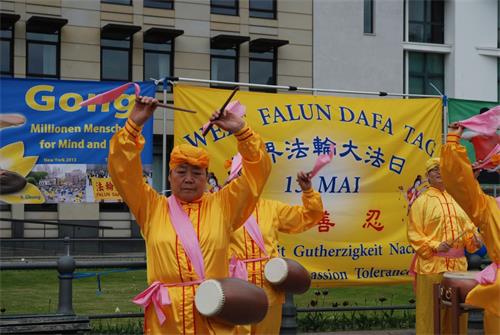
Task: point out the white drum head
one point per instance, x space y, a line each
276 270
209 298
460 275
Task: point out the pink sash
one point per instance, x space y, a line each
236 165
452 253
488 275
185 231
484 162
157 293
237 267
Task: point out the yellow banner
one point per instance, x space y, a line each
104 190
381 145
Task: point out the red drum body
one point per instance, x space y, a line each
231 300
464 281
288 275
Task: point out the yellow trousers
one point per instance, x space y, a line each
425 308
491 323
270 325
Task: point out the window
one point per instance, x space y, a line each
7 22
43 46
159 53
40 207
368 17
158 60
158 161
164 4
113 207
224 64
5 207
263 68
424 69
224 7
116 52
263 61
43 50
265 9
118 2
224 55
426 21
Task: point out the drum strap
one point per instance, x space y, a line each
253 230
184 229
452 253
237 267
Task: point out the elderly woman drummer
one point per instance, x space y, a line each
187 235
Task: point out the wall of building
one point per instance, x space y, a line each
345 58
80 60
471 28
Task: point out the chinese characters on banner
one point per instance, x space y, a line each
380 146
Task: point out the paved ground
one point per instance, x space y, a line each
387 332
374 332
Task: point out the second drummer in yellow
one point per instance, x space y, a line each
438 231
271 217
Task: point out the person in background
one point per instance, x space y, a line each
438 231
251 252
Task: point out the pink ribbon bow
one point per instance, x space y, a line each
488 275
156 293
322 160
233 107
238 269
110 95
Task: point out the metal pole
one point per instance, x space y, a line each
164 140
66 267
289 316
445 118
295 88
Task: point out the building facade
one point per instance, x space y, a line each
404 46
398 46
265 41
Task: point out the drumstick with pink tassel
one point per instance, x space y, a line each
113 94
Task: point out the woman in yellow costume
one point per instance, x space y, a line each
271 217
438 231
172 274
485 213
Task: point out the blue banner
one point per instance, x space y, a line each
49 140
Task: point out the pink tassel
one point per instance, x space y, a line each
232 107
322 160
110 95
